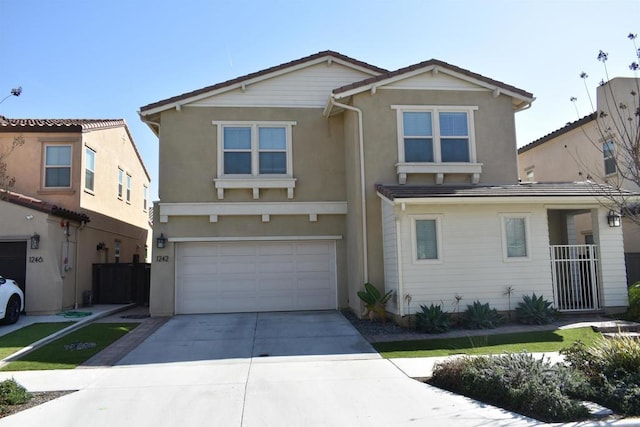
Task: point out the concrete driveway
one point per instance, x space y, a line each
272 369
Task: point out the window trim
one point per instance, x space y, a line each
145 197
255 180
611 157
120 191
86 168
437 167
45 167
128 189
527 235
414 238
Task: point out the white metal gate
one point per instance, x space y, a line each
575 270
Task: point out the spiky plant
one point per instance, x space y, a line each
534 310
432 319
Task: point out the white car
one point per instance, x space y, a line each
11 301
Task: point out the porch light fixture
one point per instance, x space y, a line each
161 241
35 241
614 219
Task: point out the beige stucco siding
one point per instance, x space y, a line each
189 151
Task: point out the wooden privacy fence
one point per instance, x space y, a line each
121 283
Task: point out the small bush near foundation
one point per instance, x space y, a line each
612 368
481 316
432 319
533 310
634 301
515 381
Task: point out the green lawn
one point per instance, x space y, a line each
16 340
533 342
71 350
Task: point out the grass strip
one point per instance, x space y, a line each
23 337
73 349
533 342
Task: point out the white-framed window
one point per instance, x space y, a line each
57 166
89 169
426 239
120 183
145 197
435 134
116 250
608 152
255 149
128 188
515 236
530 174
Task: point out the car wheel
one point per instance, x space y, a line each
12 313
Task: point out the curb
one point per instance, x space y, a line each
62 332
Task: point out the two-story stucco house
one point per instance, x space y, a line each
591 148
80 197
289 188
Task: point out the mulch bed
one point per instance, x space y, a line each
38 399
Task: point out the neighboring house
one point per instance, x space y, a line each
585 149
82 188
289 188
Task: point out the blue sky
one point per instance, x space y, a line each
107 58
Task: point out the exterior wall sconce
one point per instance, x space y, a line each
35 241
161 241
614 219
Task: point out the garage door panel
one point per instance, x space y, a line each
255 276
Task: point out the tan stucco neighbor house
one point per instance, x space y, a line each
289 188
80 197
585 149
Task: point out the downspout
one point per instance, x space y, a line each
363 199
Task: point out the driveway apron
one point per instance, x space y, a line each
246 370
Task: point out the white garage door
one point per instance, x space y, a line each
234 277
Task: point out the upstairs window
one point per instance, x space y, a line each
128 188
145 197
89 170
435 134
254 149
608 152
57 166
120 182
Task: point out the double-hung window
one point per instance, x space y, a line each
128 188
426 239
255 149
608 152
254 155
120 182
515 237
436 139
145 197
57 166
90 168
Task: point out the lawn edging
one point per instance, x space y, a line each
62 332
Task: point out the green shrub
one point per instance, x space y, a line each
12 393
612 367
432 319
533 310
481 316
634 301
374 302
515 381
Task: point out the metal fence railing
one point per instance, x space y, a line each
575 270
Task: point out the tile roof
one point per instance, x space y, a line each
425 64
62 124
263 73
546 189
556 133
68 125
42 206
